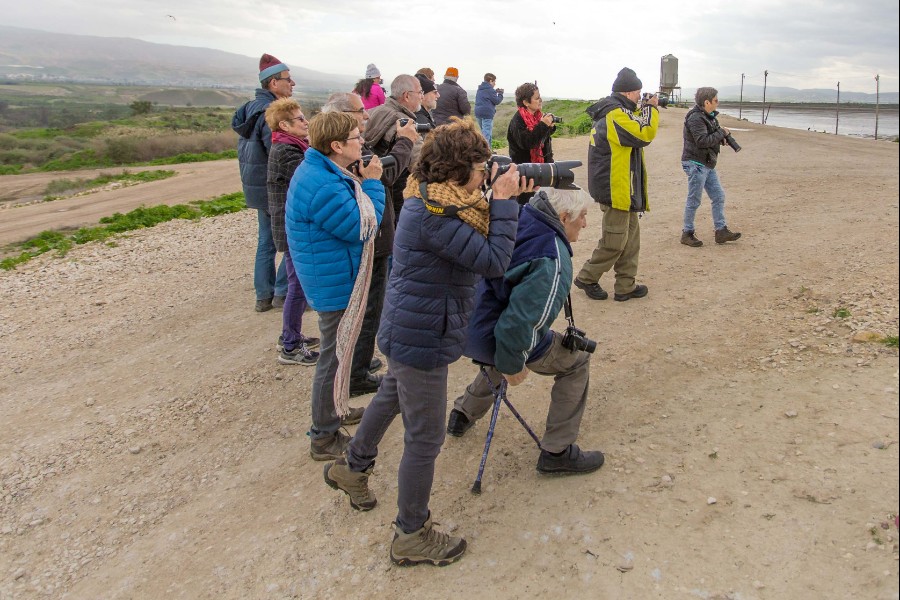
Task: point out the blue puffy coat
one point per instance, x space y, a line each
255 140
486 100
322 222
430 294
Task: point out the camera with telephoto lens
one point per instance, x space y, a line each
420 127
555 119
386 161
732 144
574 339
557 175
662 101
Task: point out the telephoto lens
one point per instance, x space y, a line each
733 144
555 119
386 161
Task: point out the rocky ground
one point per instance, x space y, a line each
151 446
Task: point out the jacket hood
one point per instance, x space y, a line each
246 117
609 103
485 86
533 239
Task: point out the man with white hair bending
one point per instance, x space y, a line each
510 330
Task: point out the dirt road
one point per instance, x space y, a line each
151 446
194 181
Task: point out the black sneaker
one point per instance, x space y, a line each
310 342
639 291
263 305
458 423
593 290
368 385
572 461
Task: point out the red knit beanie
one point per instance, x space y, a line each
269 65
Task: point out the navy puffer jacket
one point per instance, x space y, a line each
431 291
255 140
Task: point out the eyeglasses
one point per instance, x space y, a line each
419 92
356 137
301 118
284 79
358 111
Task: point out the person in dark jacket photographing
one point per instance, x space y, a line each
450 234
703 138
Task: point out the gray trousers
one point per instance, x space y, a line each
325 420
571 373
420 397
618 249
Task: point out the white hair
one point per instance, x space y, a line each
568 202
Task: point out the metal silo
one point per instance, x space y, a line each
668 77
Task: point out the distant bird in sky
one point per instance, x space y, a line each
171 17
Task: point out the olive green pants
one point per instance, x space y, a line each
618 249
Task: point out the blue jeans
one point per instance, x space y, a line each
266 281
420 396
703 178
487 128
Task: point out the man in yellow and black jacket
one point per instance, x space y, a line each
617 179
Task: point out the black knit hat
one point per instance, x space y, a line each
626 81
427 84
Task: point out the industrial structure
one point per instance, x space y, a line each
668 78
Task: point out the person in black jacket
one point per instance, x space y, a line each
290 140
530 130
703 137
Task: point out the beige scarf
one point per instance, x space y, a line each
351 321
451 194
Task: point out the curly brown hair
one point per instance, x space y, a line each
524 93
450 151
281 110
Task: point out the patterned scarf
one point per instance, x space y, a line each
478 216
351 321
531 121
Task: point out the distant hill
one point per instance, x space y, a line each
754 93
30 54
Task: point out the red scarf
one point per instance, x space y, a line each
531 121
281 137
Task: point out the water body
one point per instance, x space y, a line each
857 121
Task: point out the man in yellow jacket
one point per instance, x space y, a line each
617 179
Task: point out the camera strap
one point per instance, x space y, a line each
439 209
568 309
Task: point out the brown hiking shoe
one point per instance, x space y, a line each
355 484
724 235
425 546
689 239
330 448
353 417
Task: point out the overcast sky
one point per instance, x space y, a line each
571 48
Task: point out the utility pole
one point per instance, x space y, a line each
877 87
765 79
837 111
741 105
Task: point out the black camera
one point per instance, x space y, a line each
420 127
557 175
733 144
386 161
662 101
574 339
555 119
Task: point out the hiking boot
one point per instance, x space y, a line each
301 355
375 365
366 385
353 417
330 448
593 290
263 305
572 461
689 239
355 484
458 423
725 235
311 343
278 302
426 545
639 291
